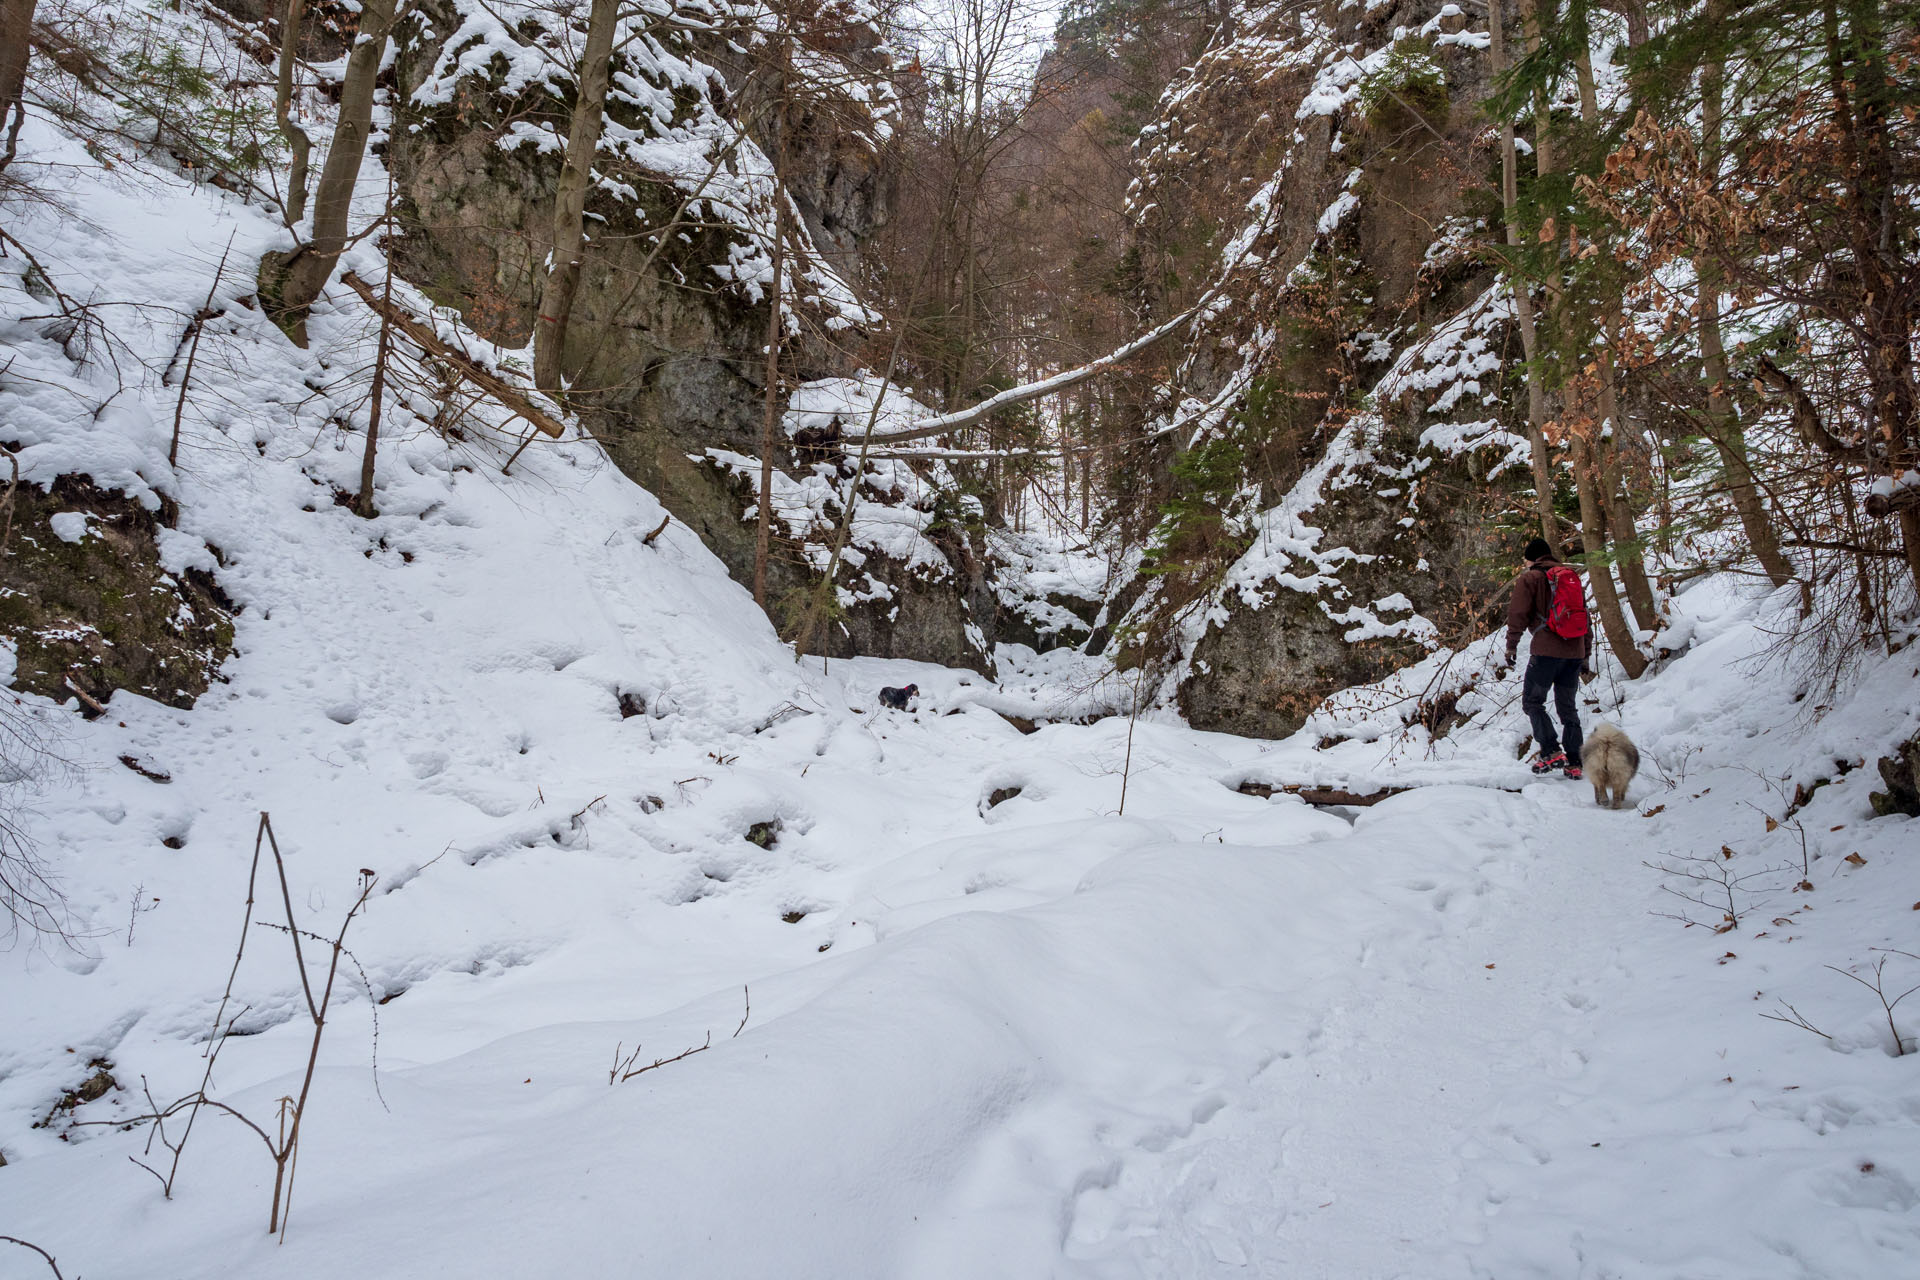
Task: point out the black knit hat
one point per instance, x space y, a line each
1538 548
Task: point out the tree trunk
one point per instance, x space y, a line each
1606 598
1086 464
570 197
1606 448
1523 306
297 140
1888 312
16 40
1543 158
1724 429
1593 520
1639 29
776 328
1621 517
363 505
1910 538
305 273
763 531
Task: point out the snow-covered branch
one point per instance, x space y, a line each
1059 382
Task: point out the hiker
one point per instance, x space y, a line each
1550 603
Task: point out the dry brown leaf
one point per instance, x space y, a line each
1855 859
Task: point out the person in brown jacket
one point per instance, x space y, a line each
1555 662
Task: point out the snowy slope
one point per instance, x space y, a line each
1216 1035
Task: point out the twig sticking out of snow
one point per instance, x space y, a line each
624 1070
195 327
1878 988
28 1244
283 1149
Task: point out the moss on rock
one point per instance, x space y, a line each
102 611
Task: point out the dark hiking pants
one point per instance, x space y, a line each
1562 675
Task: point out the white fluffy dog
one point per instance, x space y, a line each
1609 760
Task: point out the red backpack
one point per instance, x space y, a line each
1566 603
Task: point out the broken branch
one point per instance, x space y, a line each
431 342
1806 416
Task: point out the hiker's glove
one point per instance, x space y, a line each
1587 674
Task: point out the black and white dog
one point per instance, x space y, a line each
898 698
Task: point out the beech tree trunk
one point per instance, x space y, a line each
1621 517
1586 472
307 271
1593 529
570 198
16 40
1523 305
297 140
1723 428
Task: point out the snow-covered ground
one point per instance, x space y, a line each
1455 1034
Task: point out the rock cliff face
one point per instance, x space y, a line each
665 341
1349 188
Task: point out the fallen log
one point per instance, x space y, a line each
947 423
85 698
432 343
1333 796
1319 795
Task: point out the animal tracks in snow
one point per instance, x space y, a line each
1348 1148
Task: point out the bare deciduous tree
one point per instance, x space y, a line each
570 196
297 141
291 284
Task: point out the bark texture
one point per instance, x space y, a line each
292 285
298 143
570 196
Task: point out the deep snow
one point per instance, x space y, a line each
1450 1035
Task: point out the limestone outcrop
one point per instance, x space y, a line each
1347 466
663 348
